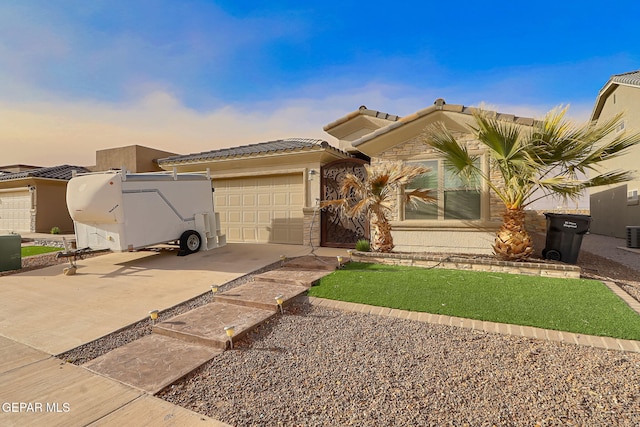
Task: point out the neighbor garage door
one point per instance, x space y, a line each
15 211
261 209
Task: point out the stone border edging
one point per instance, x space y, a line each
458 262
606 343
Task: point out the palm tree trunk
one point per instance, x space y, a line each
381 238
513 243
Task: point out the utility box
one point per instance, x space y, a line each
633 236
124 211
10 252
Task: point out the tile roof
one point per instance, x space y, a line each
362 111
253 150
630 78
440 105
63 172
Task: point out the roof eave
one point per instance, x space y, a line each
603 94
277 153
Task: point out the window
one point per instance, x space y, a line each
455 200
632 197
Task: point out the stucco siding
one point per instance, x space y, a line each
610 209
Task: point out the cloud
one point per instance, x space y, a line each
63 131
70 132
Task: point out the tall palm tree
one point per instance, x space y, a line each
375 197
552 157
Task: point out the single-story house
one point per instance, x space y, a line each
269 192
33 200
616 207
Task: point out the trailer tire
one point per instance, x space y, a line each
190 242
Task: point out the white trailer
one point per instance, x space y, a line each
124 211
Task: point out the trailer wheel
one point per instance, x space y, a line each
190 242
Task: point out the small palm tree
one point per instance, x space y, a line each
552 157
375 197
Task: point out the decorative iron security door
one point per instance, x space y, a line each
336 230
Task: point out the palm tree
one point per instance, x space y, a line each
551 157
375 197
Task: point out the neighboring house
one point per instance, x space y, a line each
464 219
134 158
614 208
33 200
266 192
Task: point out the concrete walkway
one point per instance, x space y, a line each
54 313
43 313
612 248
181 344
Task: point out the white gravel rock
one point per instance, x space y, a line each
319 367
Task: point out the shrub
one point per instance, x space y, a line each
55 230
363 245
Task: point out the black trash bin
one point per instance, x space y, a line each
564 236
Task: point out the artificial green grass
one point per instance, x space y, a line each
573 305
37 250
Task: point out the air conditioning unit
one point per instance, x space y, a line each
633 237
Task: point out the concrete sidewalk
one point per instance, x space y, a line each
38 389
43 313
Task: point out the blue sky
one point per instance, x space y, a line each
77 76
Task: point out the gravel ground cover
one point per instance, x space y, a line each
320 367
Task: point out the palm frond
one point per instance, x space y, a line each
502 138
609 178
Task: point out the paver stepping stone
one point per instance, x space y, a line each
294 276
260 294
152 362
313 263
205 325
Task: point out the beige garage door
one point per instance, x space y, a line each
15 211
261 209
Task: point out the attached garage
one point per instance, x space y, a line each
265 192
264 209
15 210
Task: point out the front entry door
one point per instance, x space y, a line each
338 231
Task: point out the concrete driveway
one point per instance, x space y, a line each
54 313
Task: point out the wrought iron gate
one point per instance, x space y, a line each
336 230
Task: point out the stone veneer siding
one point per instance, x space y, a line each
311 233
